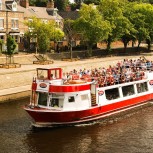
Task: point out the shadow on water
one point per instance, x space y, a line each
131 133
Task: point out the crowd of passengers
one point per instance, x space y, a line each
124 71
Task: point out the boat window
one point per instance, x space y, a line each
54 102
42 74
128 90
84 97
142 87
55 74
112 94
42 100
71 99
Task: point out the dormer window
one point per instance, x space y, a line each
55 12
14 6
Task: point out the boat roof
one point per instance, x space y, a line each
48 68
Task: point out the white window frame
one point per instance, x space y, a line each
16 24
0 5
1 28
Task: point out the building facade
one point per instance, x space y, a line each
13 15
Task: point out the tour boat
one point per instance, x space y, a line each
55 102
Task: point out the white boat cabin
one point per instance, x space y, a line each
50 92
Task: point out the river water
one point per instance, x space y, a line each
131 133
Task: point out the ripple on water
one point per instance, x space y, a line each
128 133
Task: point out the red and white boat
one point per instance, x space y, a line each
55 103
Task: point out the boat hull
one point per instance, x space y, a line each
48 117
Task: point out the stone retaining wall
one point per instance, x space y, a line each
14 96
22 77
16 79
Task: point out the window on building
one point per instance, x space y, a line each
112 94
2 37
0 5
15 23
14 6
128 90
16 38
1 23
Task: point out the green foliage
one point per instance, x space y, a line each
1 41
139 15
11 45
43 33
60 4
92 26
96 2
41 3
70 33
69 29
112 12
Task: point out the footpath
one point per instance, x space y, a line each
16 82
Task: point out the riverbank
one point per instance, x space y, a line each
16 82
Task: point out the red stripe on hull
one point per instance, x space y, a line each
73 116
71 88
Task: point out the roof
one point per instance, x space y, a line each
38 12
73 15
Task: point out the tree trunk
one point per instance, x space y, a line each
149 44
138 47
109 46
125 46
89 54
71 50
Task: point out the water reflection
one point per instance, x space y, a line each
131 135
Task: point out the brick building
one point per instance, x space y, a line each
13 14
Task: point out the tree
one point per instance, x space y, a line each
11 45
41 3
149 24
112 11
129 32
61 4
43 32
92 26
1 45
96 2
141 20
70 33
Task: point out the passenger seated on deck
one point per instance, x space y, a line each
52 76
54 103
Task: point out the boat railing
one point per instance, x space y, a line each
103 81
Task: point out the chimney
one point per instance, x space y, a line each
24 3
50 4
